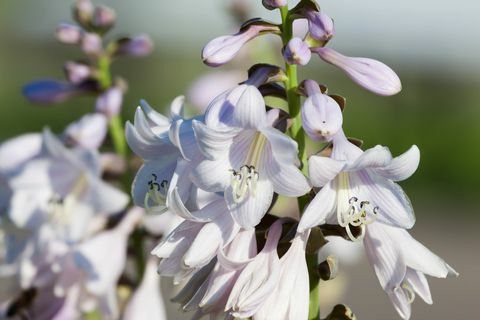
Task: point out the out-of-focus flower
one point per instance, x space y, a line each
223 49
103 18
138 46
274 4
147 302
297 52
401 263
370 74
83 11
77 72
49 91
321 115
88 132
359 187
68 33
245 157
110 102
91 43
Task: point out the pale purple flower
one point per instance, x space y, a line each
110 102
77 72
49 91
103 17
274 4
321 115
138 46
320 25
83 11
69 33
88 132
370 74
297 52
146 302
358 186
258 279
290 298
91 43
245 157
401 263
223 49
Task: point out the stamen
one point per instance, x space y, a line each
242 181
410 292
157 194
357 215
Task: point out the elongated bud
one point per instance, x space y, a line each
77 72
297 52
83 12
103 18
320 25
92 44
223 49
274 4
110 102
370 74
321 114
138 46
68 33
48 91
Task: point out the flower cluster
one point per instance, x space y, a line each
222 171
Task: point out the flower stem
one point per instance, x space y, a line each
298 134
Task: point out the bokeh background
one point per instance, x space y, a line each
433 45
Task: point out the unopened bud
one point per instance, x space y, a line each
110 102
297 52
274 4
321 115
328 269
68 33
370 74
138 46
83 12
48 91
103 18
320 25
77 72
223 49
92 43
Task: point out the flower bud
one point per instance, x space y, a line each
320 25
262 73
370 74
328 269
297 52
321 115
274 4
223 49
48 91
138 46
77 72
68 33
110 102
103 18
83 11
92 43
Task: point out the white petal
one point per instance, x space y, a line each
176 107
283 147
323 169
206 214
251 210
286 178
146 302
394 205
319 209
249 112
157 118
375 157
212 175
89 132
178 241
213 143
399 300
106 198
385 256
419 283
14 152
403 166
148 149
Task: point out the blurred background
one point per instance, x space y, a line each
433 47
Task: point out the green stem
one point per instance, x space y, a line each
298 134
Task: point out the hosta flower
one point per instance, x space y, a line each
160 142
88 132
320 25
370 74
290 298
245 157
401 263
258 279
321 114
358 187
297 52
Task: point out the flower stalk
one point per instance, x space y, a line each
298 134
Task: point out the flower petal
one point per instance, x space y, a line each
323 170
402 166
419 283
319 209
375 157
283 147
249 112
399 300
213 142
212 175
